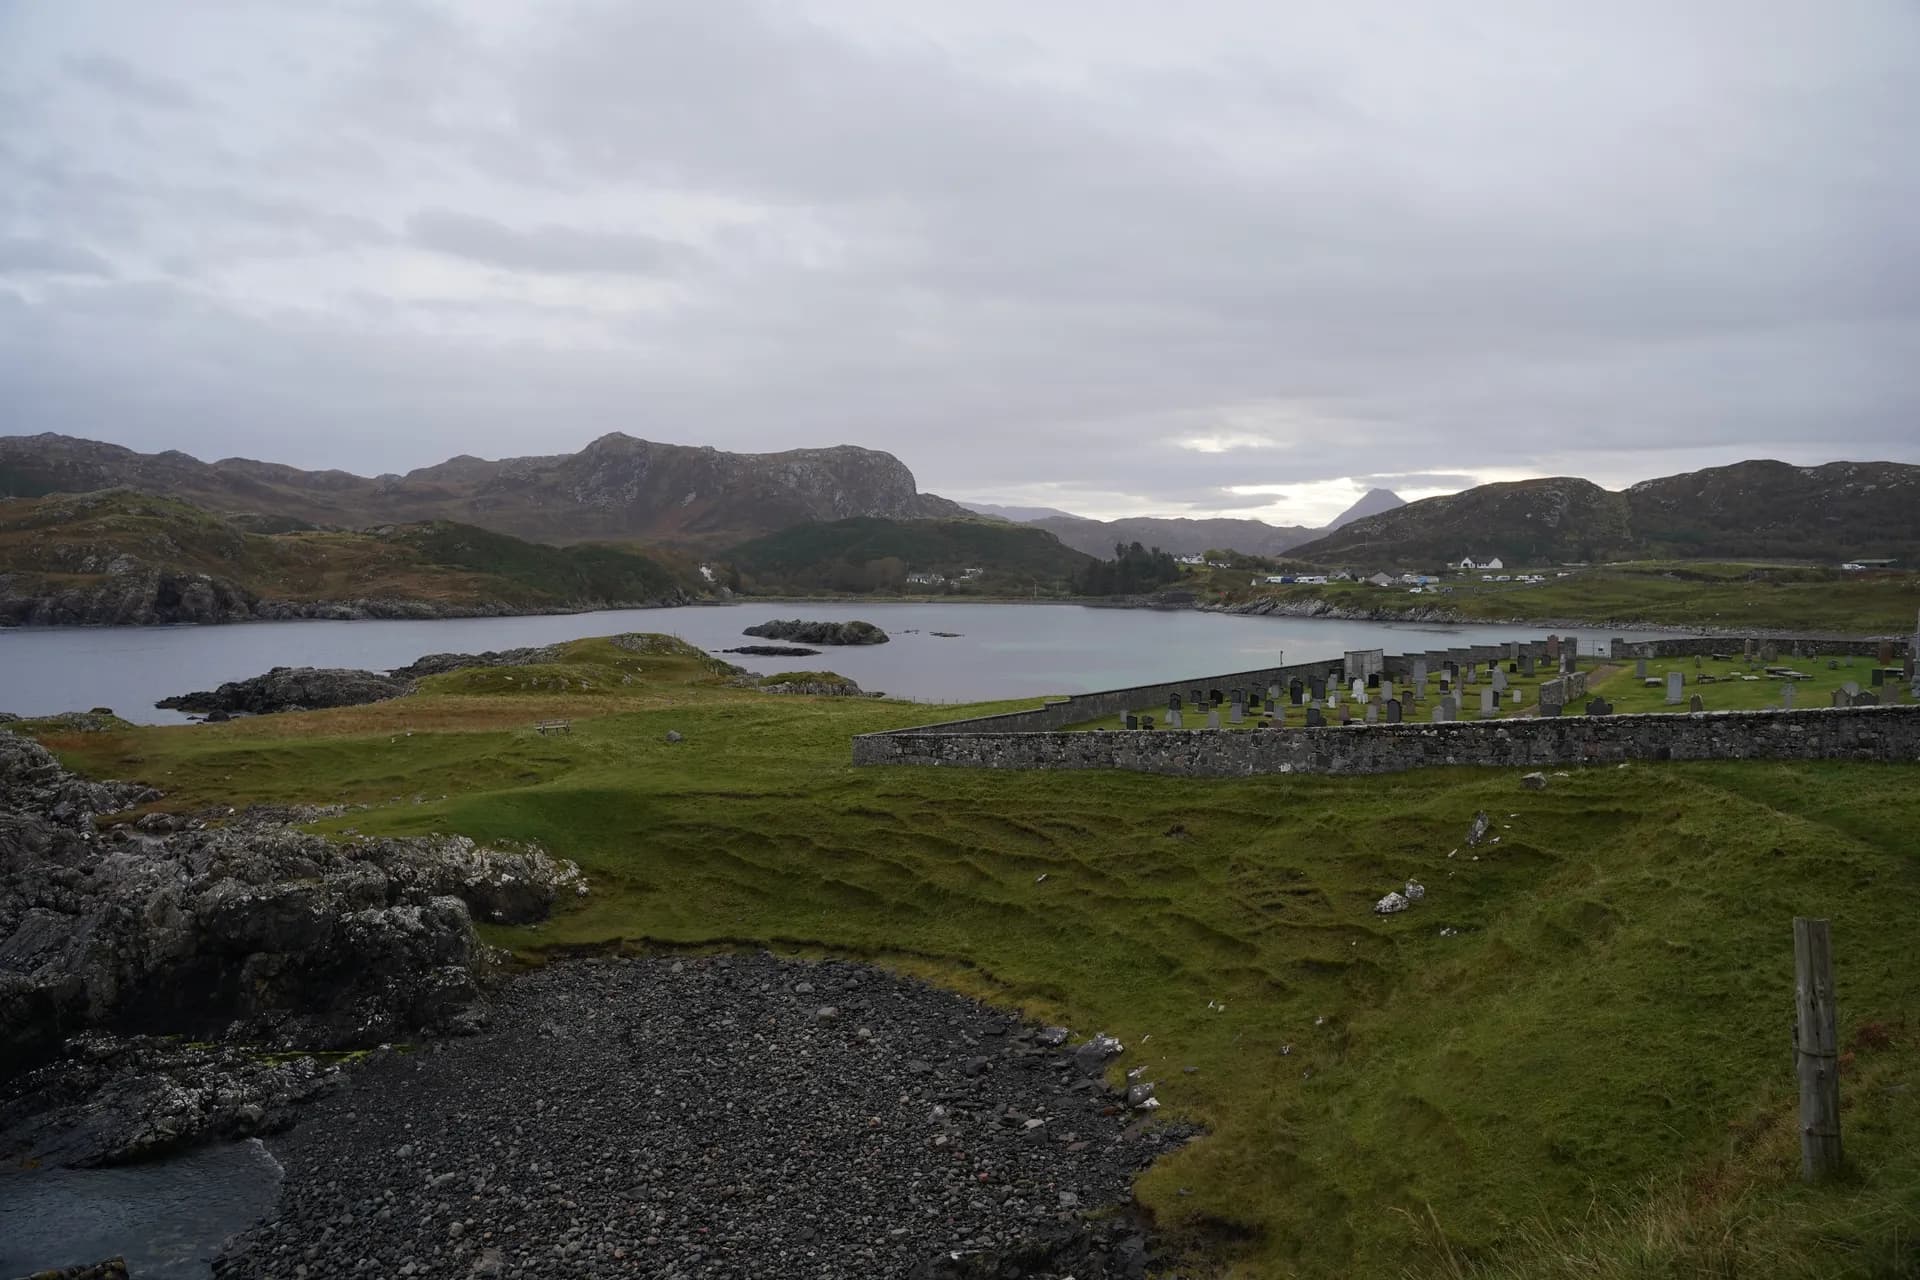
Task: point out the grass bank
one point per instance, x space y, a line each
1570 1060
1712 595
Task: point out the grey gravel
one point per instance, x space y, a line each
695 1118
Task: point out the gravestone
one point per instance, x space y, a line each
1570 650
1513 668
1237 714
1879 677
1841 698
1346 715
1373 679
1599 707
1296 691
1489 703
1516 696
1441 713
1886 653
1452 670
1394 711
1359 689
1696 704
1833 664
1526 664
1446 686
1133 721
1146 722
1213 696
1852 687
1453 706
1273 693
1173 717
1548 707
1500 679
1640 668
1867 700
1318 684
1769 653
1213 718
1387 690
1472 675
1315 720
1420 671
1786 696
1238 698
1676 688
1420 689
1373 713
1173 702
1553 648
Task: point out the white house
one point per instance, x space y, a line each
1466 562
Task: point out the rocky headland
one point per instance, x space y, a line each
239 932
292 689
801 632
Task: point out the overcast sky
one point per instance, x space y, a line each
1116 256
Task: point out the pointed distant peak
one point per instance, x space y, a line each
1372 503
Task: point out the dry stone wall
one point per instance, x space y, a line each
1888 734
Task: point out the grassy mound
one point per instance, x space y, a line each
1570 1059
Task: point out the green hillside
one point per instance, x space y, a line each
121 556
870 553
1570 1060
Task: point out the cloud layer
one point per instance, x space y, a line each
1246 258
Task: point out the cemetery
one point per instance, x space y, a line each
1533 703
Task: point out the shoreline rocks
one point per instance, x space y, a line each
774 651
803 632
249 933
293 689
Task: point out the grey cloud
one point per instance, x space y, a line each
123 80
28 255
553 249
1013 245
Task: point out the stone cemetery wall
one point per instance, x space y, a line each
1150 698
1890 733
1784 646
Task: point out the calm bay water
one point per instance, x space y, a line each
168 1218
1001 650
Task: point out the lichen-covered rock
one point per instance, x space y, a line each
435 664
250 931
293 689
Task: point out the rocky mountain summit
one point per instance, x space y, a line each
241 930
617 487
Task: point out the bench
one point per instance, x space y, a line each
554 726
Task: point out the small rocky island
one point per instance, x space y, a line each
799 632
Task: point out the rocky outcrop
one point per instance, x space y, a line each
252 932
437 664
150 598
293 689
773 651
1320 608
801 632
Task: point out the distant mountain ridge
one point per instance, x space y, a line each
1181 535
1754 509
616 488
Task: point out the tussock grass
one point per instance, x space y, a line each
1589 1069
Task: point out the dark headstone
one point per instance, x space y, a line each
1173 702
1213 696
1879 677
1867 700
1696 704
1315 720
1373 680
1146 722
1599 707
1317 685
1296 691
1346 713
1393 711
1553 648
1133 721
1526 664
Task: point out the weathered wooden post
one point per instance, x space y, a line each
1816 1043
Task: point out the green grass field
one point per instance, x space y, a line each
1652 593
1570 1060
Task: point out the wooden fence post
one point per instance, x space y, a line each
1816 1044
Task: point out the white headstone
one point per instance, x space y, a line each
1676 688
1236 714
1359 688
1173 719
1486 702
1500 678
